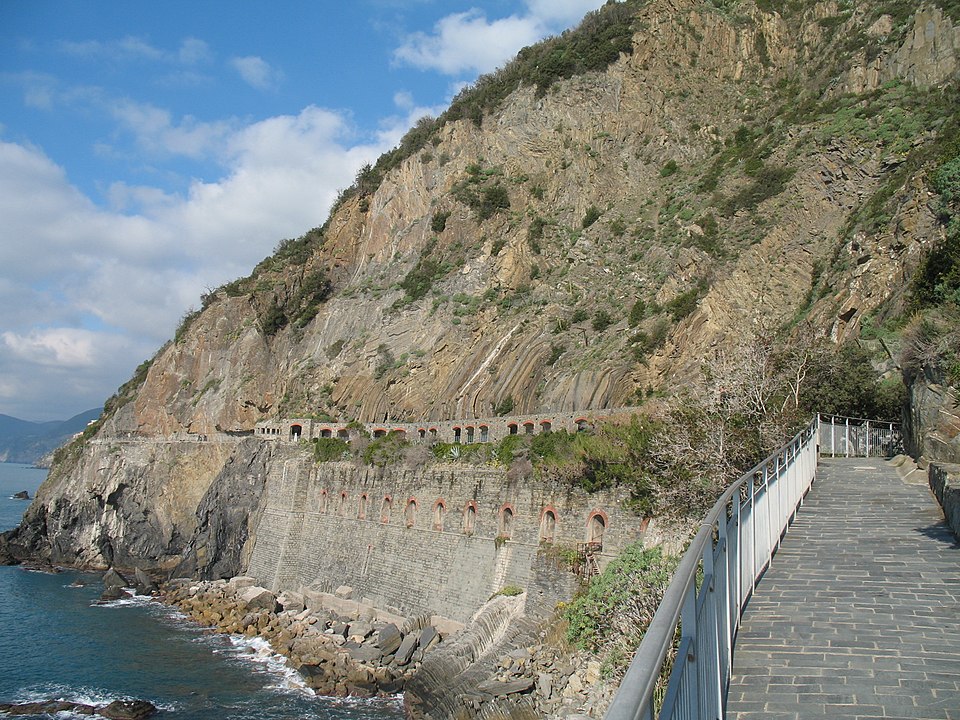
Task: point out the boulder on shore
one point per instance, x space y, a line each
255 597
112 578
113 592
145 584
22 495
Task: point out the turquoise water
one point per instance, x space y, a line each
60 643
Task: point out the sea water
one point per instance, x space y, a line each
59 642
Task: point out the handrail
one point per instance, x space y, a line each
733 553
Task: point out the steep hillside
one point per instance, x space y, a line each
572 246
29 442
578 230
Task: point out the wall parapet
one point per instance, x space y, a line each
945 483
465 431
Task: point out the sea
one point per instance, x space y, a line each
59 642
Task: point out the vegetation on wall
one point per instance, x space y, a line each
611 617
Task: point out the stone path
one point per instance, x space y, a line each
859 615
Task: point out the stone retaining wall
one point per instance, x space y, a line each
945 484
439 540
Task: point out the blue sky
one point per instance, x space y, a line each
150 151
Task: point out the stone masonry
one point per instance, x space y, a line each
439 540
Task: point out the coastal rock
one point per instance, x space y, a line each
405 651
22 495
117 710
255 597
113 593
389 639
499 689
127 710
145 584
113 578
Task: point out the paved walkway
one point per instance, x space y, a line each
859 615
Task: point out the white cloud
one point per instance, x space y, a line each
562 12
256 72
191 51
155 131
470 42
86 278
126 48
62 347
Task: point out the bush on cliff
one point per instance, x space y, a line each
612 615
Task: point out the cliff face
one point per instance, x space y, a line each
740 168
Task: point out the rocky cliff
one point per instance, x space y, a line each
571 240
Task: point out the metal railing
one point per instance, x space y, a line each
857 437
734 545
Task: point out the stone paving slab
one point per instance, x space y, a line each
859 614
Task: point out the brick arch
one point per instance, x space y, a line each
410 512
470 517
362 506
386 505
439 513
598 522
507 518
549 523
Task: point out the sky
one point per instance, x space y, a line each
152 151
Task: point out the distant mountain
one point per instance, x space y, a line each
22 441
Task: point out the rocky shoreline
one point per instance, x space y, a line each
335 654
361 653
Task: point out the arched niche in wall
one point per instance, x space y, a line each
385 507
410 513
470 518
362 507
548 525
596 526
439 513
505 526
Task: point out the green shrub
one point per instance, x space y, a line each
504 407
619 604
767 183
493 199
638 312
438 223
535 234
601 320
669 169
386 450
590 217
273 319
329 450
684 303
844 382
186 321
555 352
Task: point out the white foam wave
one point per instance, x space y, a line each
258 652
81 695
129 600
